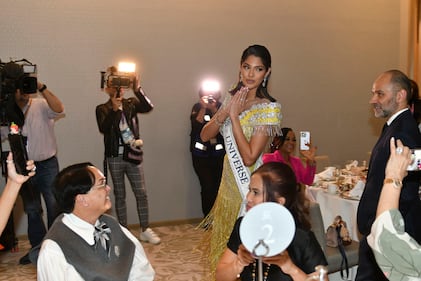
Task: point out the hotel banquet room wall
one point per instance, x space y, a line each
325 55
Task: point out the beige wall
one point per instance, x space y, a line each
325 54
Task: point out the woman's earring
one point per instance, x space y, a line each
264 81
241 78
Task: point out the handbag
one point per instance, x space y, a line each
132 154
337 236
337 233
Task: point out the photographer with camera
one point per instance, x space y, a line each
36 115
207 157
118 122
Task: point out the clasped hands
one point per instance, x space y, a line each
237 104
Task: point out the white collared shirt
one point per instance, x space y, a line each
39 128
393 117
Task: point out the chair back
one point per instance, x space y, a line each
317 224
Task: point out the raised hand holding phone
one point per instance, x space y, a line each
304 140
17 146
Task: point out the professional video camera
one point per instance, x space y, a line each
123 77
14 75
21 74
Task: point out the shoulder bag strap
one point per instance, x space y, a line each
344 262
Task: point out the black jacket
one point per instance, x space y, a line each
109 120
404 128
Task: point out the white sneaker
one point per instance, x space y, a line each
149 236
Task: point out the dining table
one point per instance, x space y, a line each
339 202
332 205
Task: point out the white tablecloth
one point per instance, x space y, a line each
332 205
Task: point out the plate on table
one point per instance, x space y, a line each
347 195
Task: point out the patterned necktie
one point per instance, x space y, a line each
101 234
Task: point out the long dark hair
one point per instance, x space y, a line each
279 181
263 53
278 141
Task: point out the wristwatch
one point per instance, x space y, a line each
396 183
42 88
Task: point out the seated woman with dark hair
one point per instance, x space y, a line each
283 149
274 182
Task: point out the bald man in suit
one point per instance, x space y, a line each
391 98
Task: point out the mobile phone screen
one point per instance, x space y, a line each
304 140
415 164
20 156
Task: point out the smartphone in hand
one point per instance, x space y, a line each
20 155
304 140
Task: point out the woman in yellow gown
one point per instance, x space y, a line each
248 118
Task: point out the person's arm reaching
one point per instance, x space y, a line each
11 190
53 102
396 170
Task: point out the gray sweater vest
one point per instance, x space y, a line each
92 262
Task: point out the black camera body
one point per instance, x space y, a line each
119 80
16 75
209 99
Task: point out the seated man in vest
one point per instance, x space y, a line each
84 243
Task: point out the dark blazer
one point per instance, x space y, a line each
405 128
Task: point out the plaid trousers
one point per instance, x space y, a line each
118 168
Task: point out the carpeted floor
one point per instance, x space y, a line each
177 258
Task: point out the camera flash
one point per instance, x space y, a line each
210 86
126 67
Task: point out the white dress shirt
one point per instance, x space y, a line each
52 264
39 128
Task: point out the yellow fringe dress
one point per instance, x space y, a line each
260 118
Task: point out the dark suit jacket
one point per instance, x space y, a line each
404 128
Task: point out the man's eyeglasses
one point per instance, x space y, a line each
102 184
